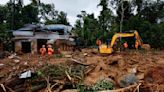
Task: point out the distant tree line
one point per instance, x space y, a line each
145 16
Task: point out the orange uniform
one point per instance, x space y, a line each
136 45
98 42
125 45
50 51
43 51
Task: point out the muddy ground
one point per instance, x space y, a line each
146 66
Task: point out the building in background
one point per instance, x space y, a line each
30 38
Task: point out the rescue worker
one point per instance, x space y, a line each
98 42
107 42
136 44
43 51
125 45
50 51
115 45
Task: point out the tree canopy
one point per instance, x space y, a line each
145 16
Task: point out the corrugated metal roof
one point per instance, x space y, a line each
58 27
28 27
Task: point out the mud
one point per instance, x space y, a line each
148 66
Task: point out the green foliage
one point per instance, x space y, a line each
55 71
62 18
147 20
99 86
30 14
62 71
77 72
149 32
84 88
103 85
87 29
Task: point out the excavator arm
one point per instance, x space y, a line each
122 35
105 49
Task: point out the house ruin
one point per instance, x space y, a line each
30 38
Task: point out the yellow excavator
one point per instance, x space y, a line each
104 49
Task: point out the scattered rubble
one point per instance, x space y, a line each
131 70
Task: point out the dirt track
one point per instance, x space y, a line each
148 66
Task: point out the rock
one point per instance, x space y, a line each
127 80
146 46
85 54
140 76
16 61
132 70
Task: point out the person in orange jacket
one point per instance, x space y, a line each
50 50
98 42
43 51
125 45
136 45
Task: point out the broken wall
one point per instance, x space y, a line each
33 47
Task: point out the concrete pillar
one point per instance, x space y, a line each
18 46
34 46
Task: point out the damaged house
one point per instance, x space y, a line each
30 38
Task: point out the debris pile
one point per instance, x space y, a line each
84 71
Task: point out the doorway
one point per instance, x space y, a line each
41 42
26 47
